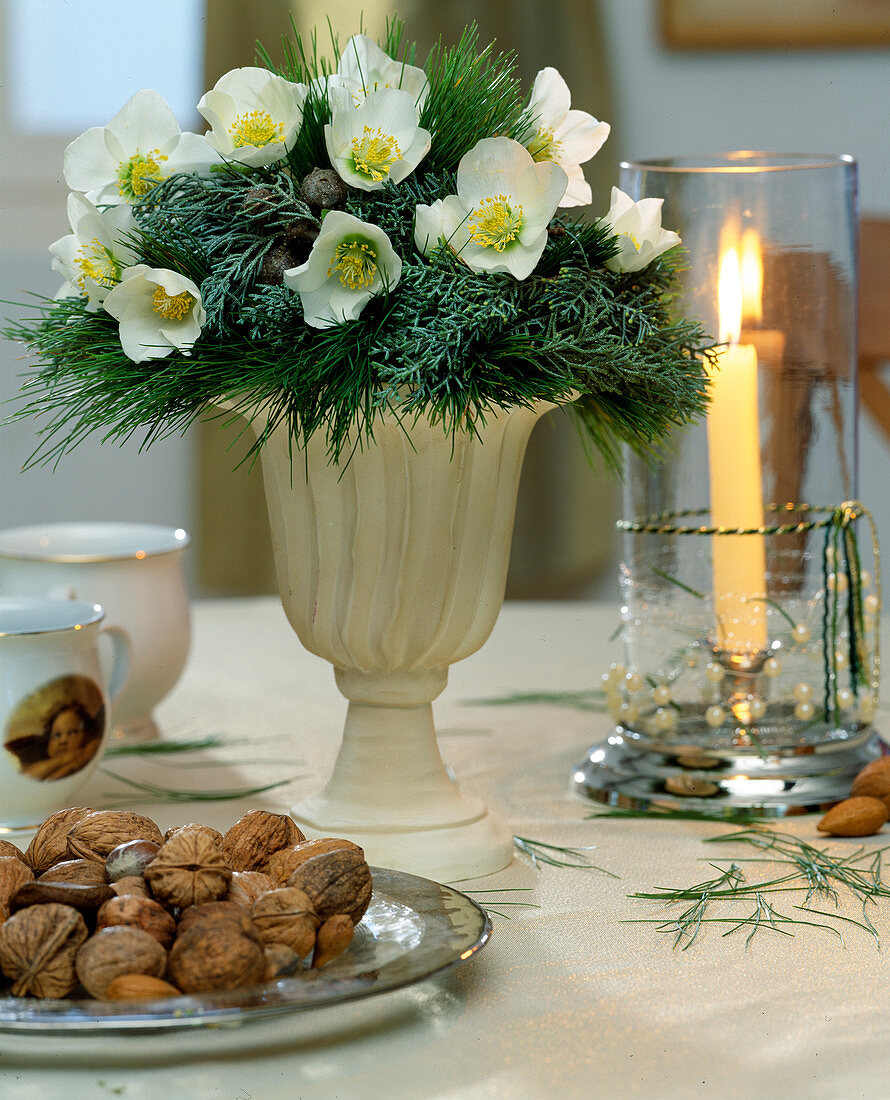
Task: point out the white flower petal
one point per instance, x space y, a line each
490 168
192 153
145 331
146 121
550 99
254 115
567 137
578 192
377 142
498 220
64 253
219 111
365 66
92 257
140 146
87 162
538 189
580 137
325 283
637 225
429 227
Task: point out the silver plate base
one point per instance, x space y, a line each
721 782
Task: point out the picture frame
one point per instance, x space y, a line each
765 24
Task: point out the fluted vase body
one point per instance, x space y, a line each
392 566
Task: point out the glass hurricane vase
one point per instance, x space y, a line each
749 582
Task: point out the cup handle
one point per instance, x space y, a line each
122 651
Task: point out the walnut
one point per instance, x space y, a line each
247 886
253 838
94 836
286 916
50 843
130 858
336 882
217 913
13 874
84 872
38 947
194 827
282 864
334 936
215 957
7 848
118 950
281 961
142 913
188 870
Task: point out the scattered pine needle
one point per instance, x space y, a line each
173 794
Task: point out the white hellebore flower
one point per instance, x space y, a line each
429 227
567 137
158 310
498 219
638 228
139 147
350 262
254 114
364 68
377 142
94 254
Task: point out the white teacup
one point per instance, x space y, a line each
53 702
134 570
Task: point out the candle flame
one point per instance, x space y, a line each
729 297
752 277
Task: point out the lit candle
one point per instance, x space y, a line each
768 343
739 561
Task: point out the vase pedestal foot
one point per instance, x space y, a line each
390 791
445 853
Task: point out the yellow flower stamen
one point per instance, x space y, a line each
544 146
374 153
139 174
497 223
172 307
255 128
355 262
95 262
633 240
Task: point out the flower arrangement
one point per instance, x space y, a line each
351 237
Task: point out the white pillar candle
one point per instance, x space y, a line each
739 561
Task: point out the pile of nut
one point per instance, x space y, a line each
101 899
868 806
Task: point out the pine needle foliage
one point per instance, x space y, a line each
450 343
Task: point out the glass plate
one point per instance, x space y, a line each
412 929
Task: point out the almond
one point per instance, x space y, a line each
880 764
861 815
874 780
139 987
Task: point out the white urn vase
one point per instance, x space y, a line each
392 565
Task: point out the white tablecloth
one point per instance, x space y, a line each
566 1000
